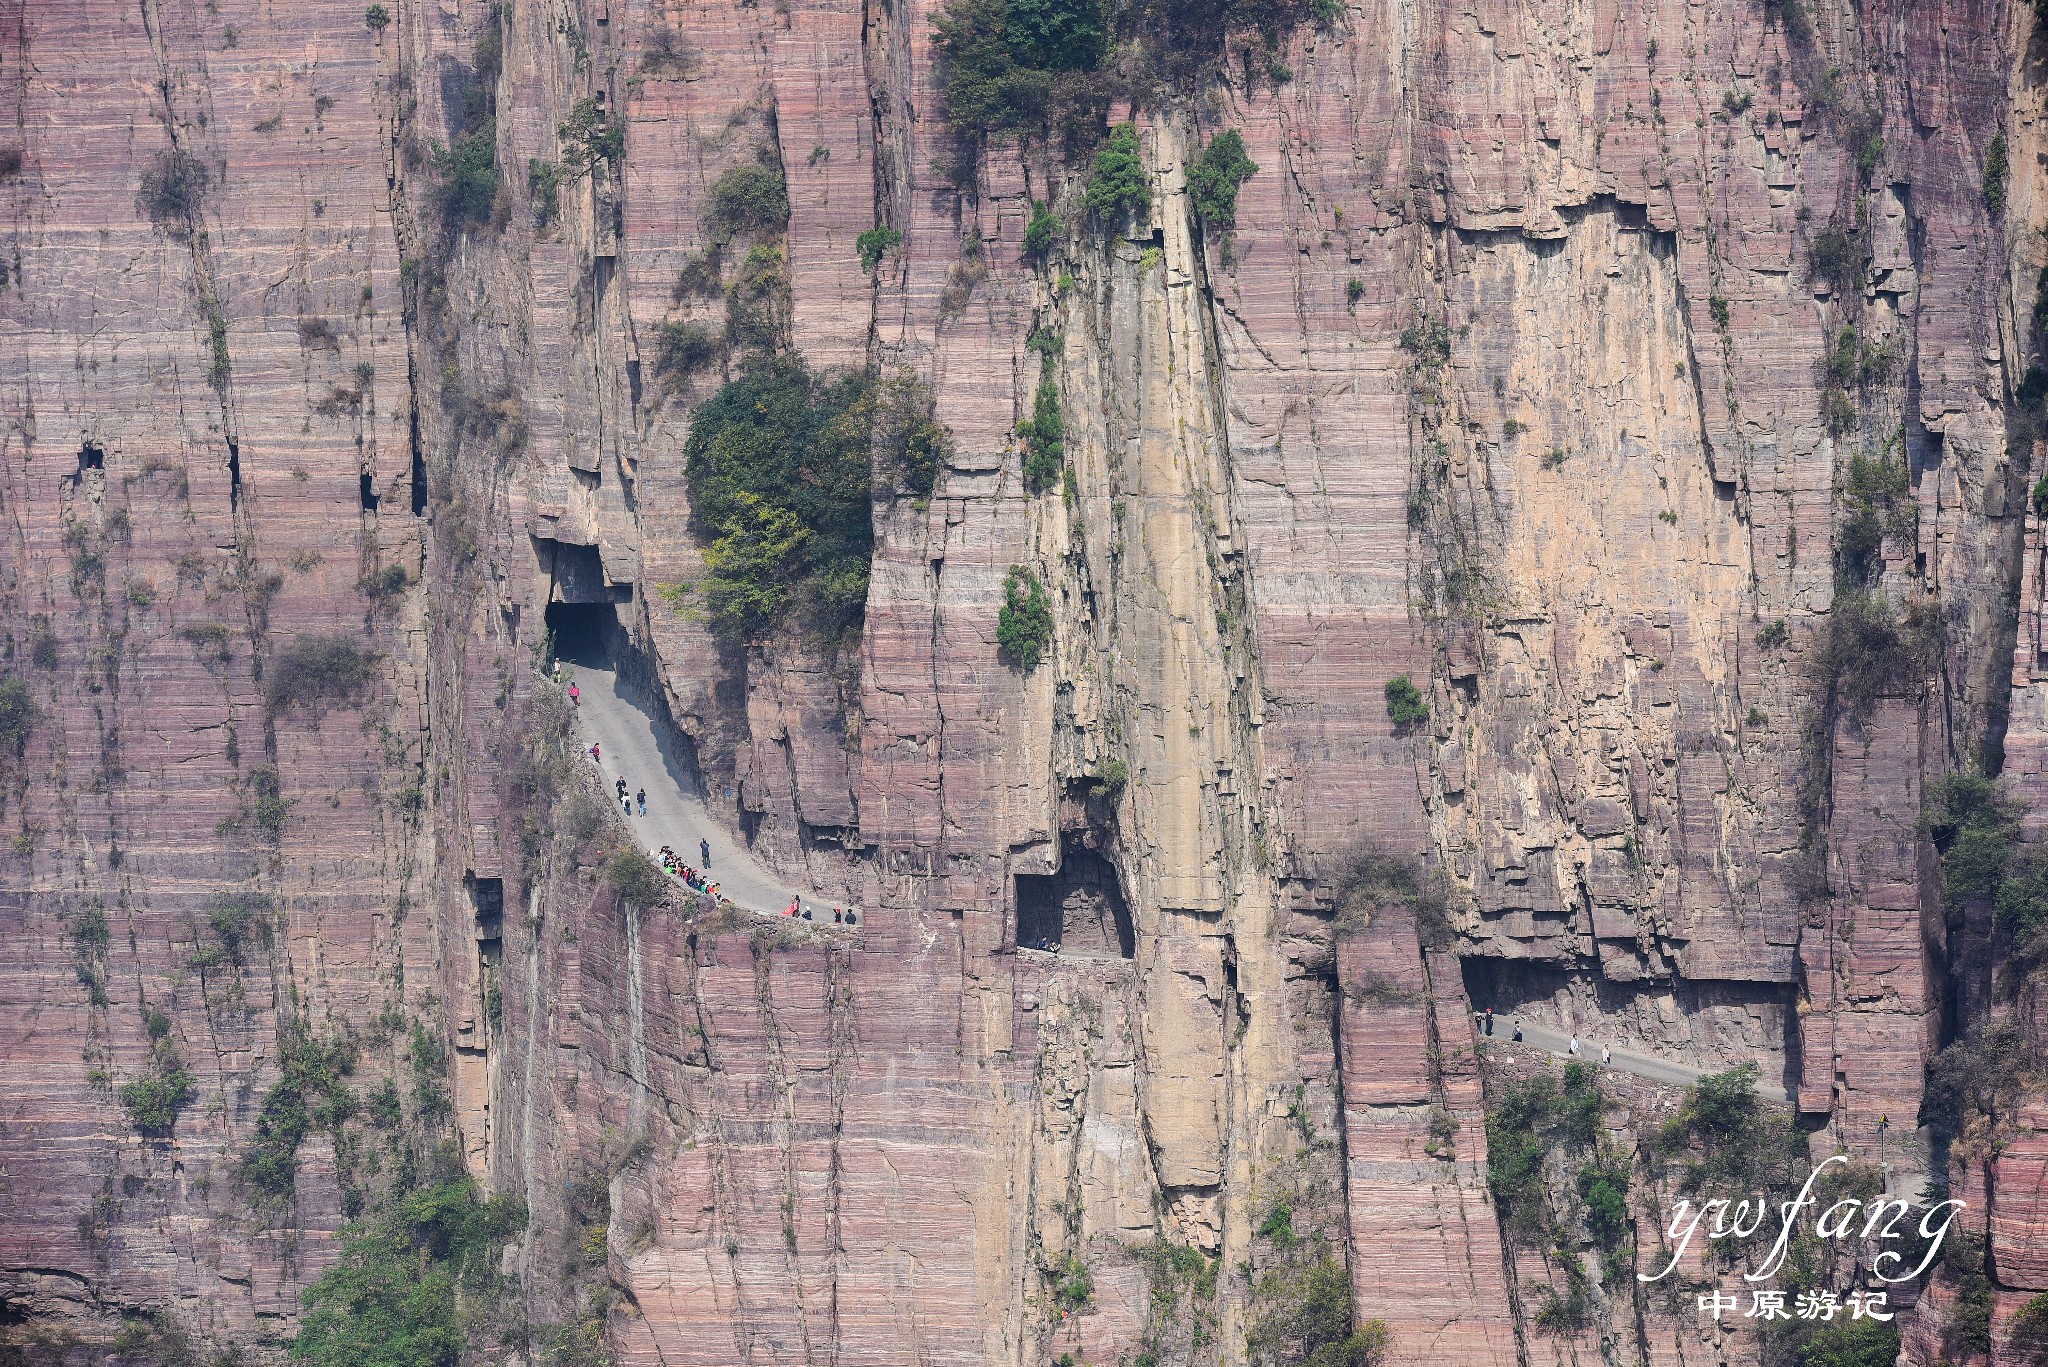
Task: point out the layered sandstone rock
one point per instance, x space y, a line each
1575 504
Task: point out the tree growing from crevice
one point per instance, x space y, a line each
874 244
1406 707
637 880
1018 66
173 188
1041 232
1024 623
310 1096
467 168
748 199
1307 1317
1369 879
312 673
1119 187
1215 176
165 1087
417 1283
779 469
1044 437
591 135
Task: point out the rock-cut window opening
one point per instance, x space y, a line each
1078 910
487 895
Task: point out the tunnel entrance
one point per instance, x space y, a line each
1509 987
1079 910
576 574
587 634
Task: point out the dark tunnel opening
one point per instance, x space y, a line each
588 634
487 895
1079 909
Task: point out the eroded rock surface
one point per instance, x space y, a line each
1509 378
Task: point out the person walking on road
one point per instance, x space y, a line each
704 852
641 798
1573 1047
1489 1022
620 789
575 694
1605 1055
593 754
1518 1032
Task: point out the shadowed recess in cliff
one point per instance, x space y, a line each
1079 909
1706 1025
577 576
587 634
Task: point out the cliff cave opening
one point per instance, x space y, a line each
366 490
487 896
1079 909
588 634
92 456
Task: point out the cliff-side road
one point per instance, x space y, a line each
1621 1060
631 746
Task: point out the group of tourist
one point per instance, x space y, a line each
695 879
625 802
841 916
672 864
1483 1022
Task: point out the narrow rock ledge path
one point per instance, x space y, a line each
1622 1060
632 745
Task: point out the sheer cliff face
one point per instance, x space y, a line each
1512 378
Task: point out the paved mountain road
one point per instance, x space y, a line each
634 747
1622 1060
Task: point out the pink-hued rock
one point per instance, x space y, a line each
1425 1250
1574 517
2019 1177
223 504
1868 975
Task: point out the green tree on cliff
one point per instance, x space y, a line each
1119 187
1214 178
